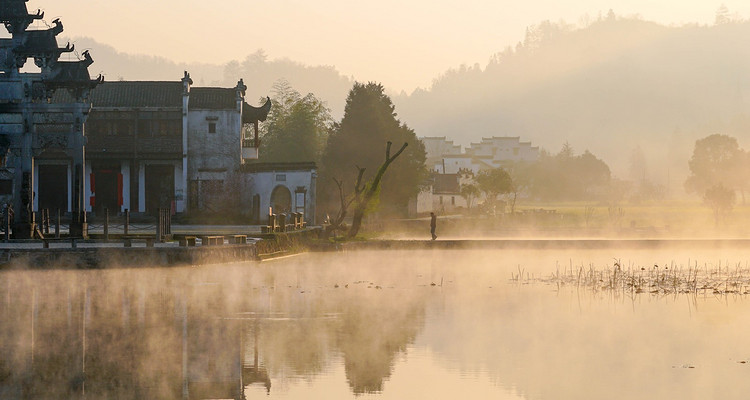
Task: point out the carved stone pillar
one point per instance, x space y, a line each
78 224
23 220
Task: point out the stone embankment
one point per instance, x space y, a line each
532 244
83 254
113 253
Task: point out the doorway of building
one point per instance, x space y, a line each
53 188
281 200
159 187
107 188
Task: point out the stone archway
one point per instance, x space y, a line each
281 200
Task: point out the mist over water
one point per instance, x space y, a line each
389 324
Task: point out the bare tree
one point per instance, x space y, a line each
364 195
338 223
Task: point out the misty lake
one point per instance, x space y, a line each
440 324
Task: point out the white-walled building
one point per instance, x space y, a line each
442 195
279 188
504 148
447 161
168 144
436 148
445 157
214 155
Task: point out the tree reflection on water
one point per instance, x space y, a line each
343 325
372 333
191 333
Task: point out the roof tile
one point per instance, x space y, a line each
212 98
131 94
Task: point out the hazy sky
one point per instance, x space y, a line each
402 43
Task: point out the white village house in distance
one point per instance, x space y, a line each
445 157
449 166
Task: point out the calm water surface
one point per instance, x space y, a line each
386 325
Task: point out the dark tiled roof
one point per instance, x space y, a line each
278 166
251 114
131 94
210 98
155 94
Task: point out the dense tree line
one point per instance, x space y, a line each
300 128
564 176
718 160
719 169
369 122
350 152
492 183
297 126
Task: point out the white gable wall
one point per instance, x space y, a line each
300 183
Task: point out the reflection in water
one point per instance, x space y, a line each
254 373
192 334
441 325
373 332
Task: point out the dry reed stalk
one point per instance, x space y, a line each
672 278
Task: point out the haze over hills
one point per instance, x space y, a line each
612 86
257 70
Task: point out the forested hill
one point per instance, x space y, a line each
258 71
609 87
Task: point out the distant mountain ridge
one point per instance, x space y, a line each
259 73
609 87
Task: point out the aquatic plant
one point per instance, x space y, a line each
662 279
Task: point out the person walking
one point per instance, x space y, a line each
433 225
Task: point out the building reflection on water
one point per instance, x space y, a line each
254 372
311 327
179 335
